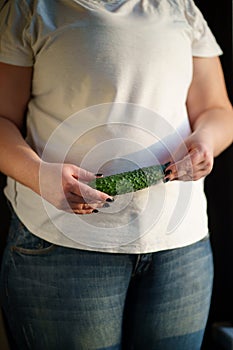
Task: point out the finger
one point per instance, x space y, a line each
187 167
89 194
180 169
193 175
79 208
84 206
206 165
202 159
85 212
83 174
77 201
82 211
87 206
74 201
195 156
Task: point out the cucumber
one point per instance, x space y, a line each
130 181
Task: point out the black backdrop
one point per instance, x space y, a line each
218 185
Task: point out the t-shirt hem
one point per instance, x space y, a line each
67 243
199 53
18 62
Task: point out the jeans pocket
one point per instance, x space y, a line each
35 251
21 240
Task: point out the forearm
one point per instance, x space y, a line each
17 159
216 127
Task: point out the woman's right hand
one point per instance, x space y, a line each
65 186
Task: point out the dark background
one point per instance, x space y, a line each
218 187
219 184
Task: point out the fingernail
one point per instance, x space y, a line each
166 179
95 211
168 172
106 205
110 200
98 175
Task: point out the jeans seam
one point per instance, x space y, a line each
39 251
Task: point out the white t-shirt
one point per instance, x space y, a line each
109 94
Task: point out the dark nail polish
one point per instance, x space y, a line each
95 211
168 172
106 205
98 175
166 179
110 200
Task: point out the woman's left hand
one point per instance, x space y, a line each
192 161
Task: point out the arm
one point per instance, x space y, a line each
211 119
20 162
209 108
17 158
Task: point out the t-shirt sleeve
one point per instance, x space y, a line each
15 45
204 43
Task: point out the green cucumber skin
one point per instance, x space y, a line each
130 181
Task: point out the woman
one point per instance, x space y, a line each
108 86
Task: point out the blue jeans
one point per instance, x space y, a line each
58 298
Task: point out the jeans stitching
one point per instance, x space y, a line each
27 251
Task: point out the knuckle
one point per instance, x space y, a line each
195 177
67 187
209 165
